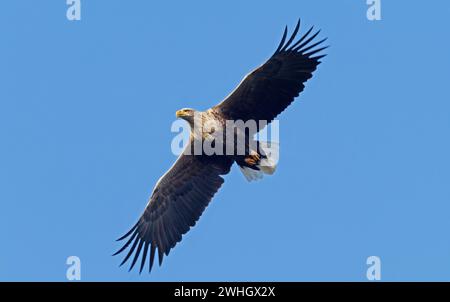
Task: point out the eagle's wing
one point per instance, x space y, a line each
269 89
177 202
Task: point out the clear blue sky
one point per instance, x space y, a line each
85 115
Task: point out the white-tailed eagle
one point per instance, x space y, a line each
183 193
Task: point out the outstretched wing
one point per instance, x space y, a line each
269 89
177 202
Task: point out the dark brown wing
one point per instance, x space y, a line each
269 89
177 202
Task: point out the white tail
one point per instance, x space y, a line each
272 150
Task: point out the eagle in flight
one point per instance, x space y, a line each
182 194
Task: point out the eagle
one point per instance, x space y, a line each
181 195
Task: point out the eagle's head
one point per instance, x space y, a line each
186 114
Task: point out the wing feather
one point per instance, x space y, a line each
177 202
269 89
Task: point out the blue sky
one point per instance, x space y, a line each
85 115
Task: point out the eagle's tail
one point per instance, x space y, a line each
271 155
263 163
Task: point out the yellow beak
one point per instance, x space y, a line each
179 113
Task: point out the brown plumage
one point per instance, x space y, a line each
181 195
